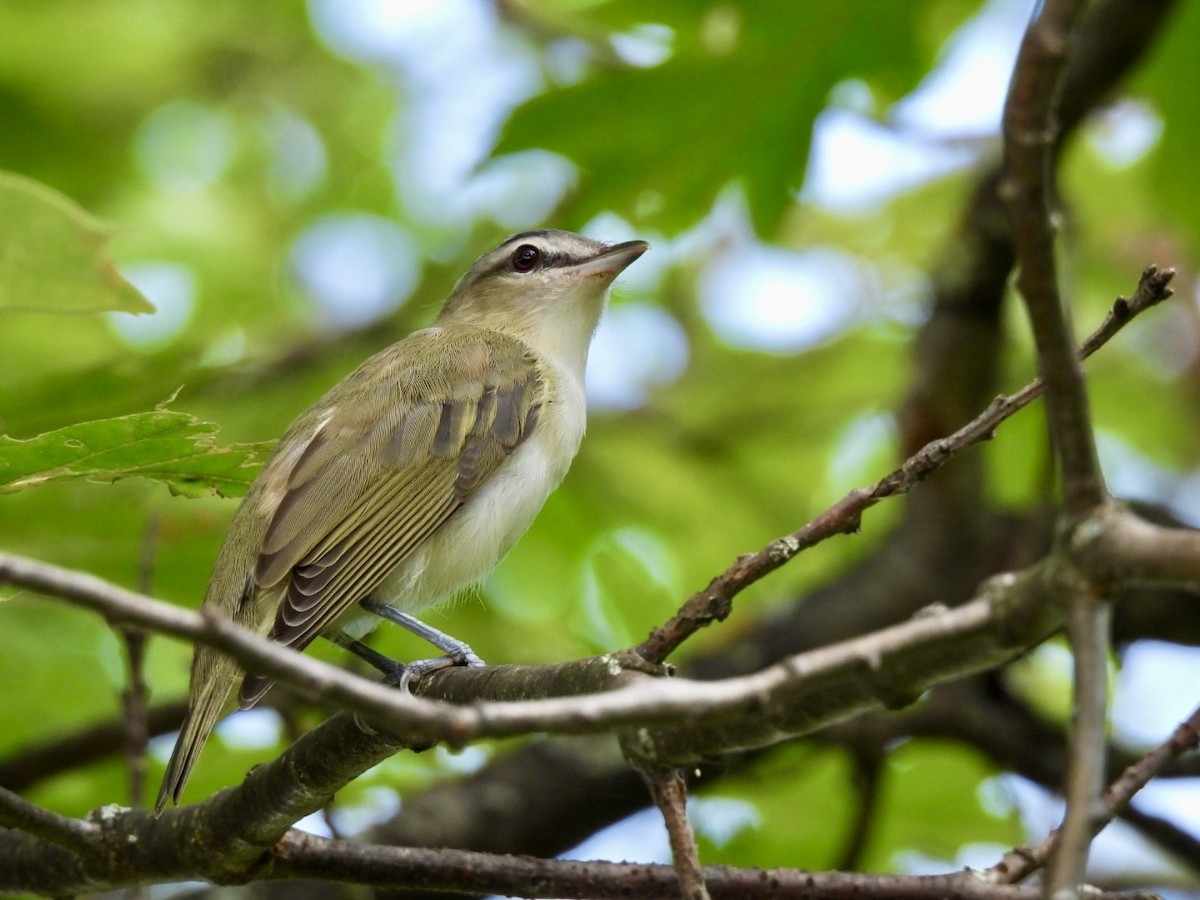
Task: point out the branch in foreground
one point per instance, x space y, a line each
223 838
899 663
967 712
320 681
715 602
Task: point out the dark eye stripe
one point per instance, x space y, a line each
501 258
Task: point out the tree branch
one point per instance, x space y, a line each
1021 863
801 692
312 677
669 790
17 812
715 602
407 868
1122 548
219 838
1030 138
304 856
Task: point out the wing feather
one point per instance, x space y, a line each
325 491
373 553
394 451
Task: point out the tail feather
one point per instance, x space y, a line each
198 724
252 690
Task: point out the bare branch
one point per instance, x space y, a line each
1089 620
1120 547
1030 142
1030 136
408 868
715 602
304 856
136 694
693 719
901 662
17 812
1020 863
868 782
669 791
318 680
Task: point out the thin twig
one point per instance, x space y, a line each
715 602
669 790
1022 862
309 675
135 696
1089 621
133 705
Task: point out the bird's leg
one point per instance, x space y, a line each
458 653
393 669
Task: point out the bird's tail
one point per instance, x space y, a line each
210 689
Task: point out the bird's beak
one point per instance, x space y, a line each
613 261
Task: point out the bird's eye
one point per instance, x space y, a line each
526 257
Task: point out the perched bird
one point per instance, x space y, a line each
415 475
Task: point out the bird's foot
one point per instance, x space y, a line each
457 653
461 656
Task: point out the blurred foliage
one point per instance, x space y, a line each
49 255
215 134
805 799
736 88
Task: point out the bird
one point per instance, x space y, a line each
411 478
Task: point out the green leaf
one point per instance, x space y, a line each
52 255
166 446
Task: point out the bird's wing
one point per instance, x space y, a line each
396 450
